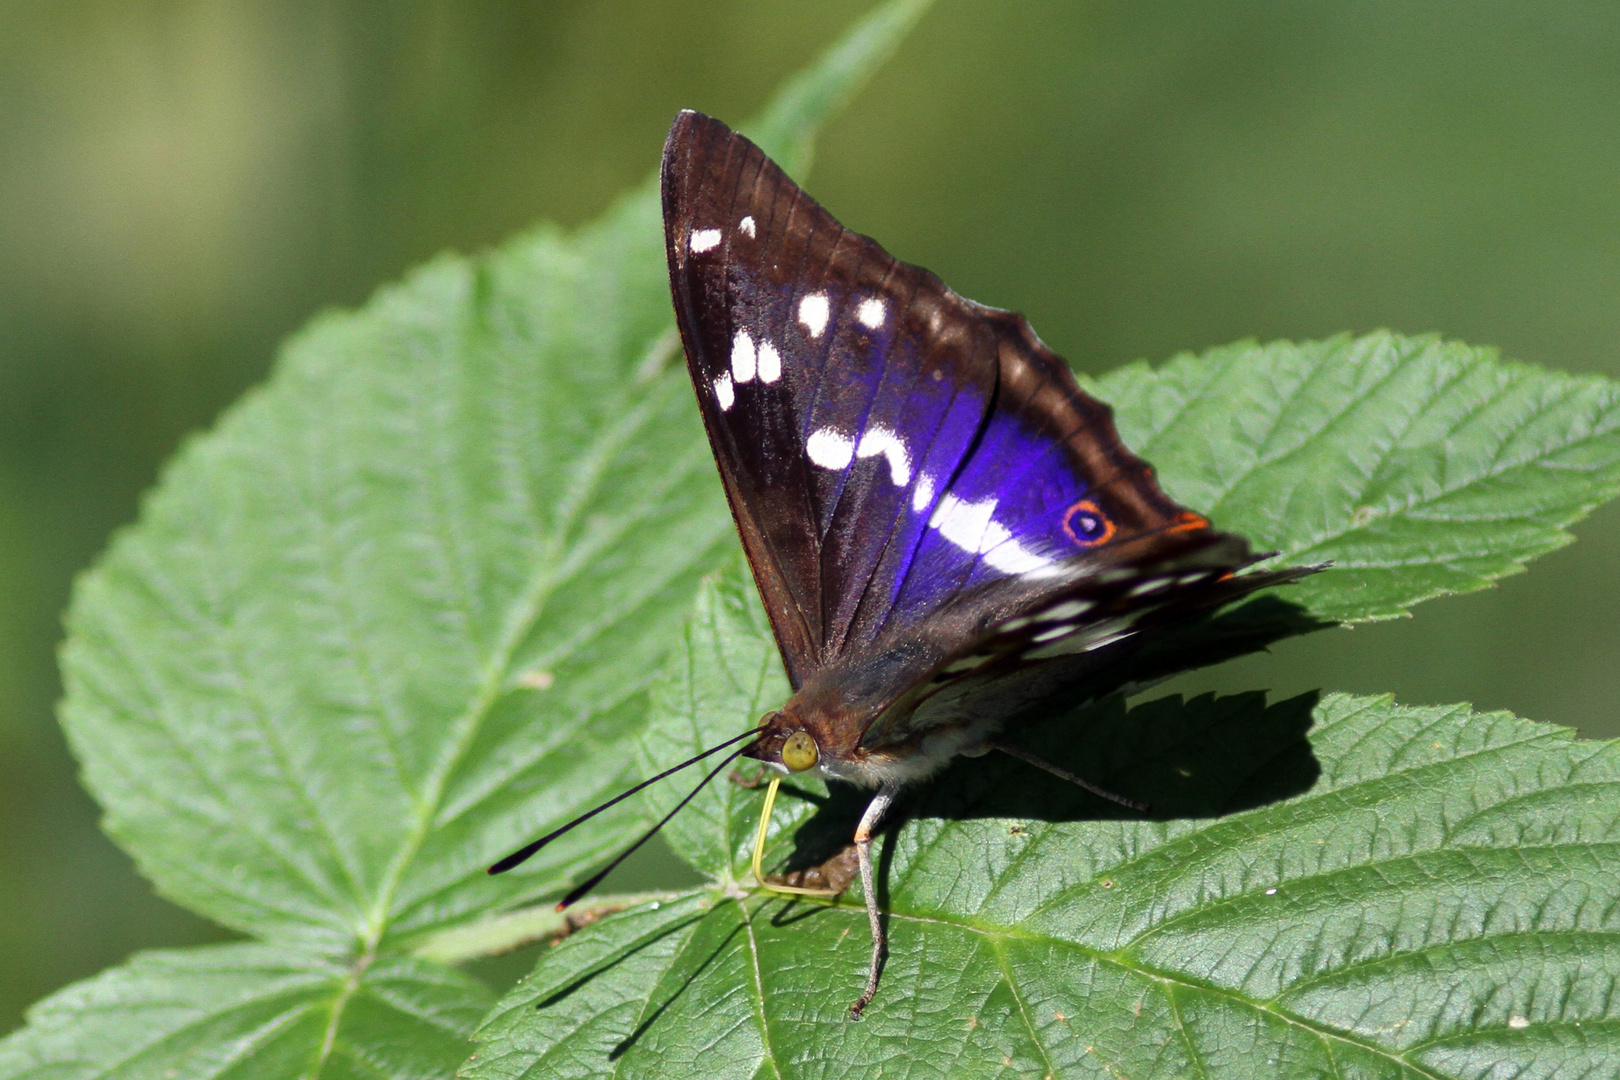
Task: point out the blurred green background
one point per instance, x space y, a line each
183 183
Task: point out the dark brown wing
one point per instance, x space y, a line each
890 450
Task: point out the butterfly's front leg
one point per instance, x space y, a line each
863 843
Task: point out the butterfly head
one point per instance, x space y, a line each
785 741
819 731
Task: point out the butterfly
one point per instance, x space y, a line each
945 529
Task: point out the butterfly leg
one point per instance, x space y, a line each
863 843
1064 774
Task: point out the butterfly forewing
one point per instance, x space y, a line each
825 391
904 465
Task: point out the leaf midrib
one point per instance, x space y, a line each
553 568
994 935
1023 1006
1171 978
340 1001
760 1013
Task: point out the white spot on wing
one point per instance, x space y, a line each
743 357
704 240
724 393
1108 639
970 527
1011 557
747 226
770 363
923 494
830 449
872 313
814 312
879 440
1068 640
962 523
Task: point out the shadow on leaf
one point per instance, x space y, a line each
1197 758
681 987
563 992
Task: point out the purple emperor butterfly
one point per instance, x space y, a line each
946 530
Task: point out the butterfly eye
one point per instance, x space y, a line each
1087 524
799 752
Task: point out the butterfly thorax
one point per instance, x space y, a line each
819 740
844 723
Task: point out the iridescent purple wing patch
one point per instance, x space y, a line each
889 448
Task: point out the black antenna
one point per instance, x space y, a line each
595 879
522 854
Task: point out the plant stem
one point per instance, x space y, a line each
515 929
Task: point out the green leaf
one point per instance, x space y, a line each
387 621
395 616
786 130
1336 888
1418 467
250 1010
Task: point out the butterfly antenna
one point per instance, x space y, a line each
596 879
522 854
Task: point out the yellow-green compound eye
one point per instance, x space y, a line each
799 752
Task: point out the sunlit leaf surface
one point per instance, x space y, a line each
395 616
1343 887
250 1011
405 607
1418 467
